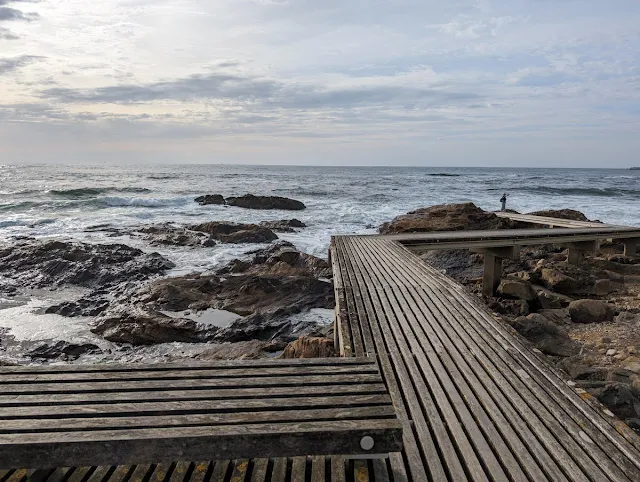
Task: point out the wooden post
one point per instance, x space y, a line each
577 250
629 247
493 265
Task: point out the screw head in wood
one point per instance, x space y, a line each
367 442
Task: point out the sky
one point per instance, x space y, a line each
339 82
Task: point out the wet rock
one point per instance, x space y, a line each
310 347
590 311
241 294
508 307
546 336
570 214
170 235
457 263
55 263
556 280
518 289
210 199
283 225
446 217
266 327
251 201
243 350
235 233
280 259
86 306
138 326
63 350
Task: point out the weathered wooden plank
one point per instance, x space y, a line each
342 329
199 471
166 408
395 374
354 328
57 475
79 474
186 365
100 474
337 469
180 471
122 386
220 470
261 440
279 470
16 476
259 472
240 470
120 473
292 414
540 408
380 470
294 372
185 395
431 332
299 468
318 468
360 471
140 473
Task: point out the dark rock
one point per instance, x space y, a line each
87 306
54 263
571 214
446 217
210 199
280 259
546 336
518 289
235 232
457 263
243 350
250 201
619 398
64 350
310 347
590 311
169 235
508 307
283 225
137 326
557 316
556 280
242 294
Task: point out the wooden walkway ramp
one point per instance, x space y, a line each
476 403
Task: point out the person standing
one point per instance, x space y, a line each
503 200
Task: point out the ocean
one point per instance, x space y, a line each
54 201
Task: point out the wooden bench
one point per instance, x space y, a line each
475 401
70 416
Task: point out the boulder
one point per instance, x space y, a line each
39 264
235 232
310 347
603 287
139 326
546 336
250 201
550 300
209 199
169 235
518 289
446 217
556 316
63 350
590 311
283 225
619 398
242 350
570 214
556 280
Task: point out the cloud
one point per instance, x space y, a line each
10 64
8 14
6 34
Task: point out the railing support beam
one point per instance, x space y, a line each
577 250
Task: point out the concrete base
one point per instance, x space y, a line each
578 250
493 265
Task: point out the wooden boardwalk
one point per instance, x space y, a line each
551 222
477 404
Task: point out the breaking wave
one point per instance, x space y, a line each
95 191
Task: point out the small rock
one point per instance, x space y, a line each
590 311
209 199
605 339
235 232
284 225
611 352
603 287
557 281
519 289
620 356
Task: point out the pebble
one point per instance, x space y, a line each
605 340
611 352
620 356
632 350
602 351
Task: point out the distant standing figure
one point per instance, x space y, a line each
503 200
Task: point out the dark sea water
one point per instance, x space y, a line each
63 201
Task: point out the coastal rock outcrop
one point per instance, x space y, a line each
283 225
570 214
590 311
139 326
41 264
210 199
310 347
170 235
63 350
446 217
251 201
227 232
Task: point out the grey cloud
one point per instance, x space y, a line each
264 93
7 2
10 64
6 34
8 13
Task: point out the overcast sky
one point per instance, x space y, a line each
430 82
